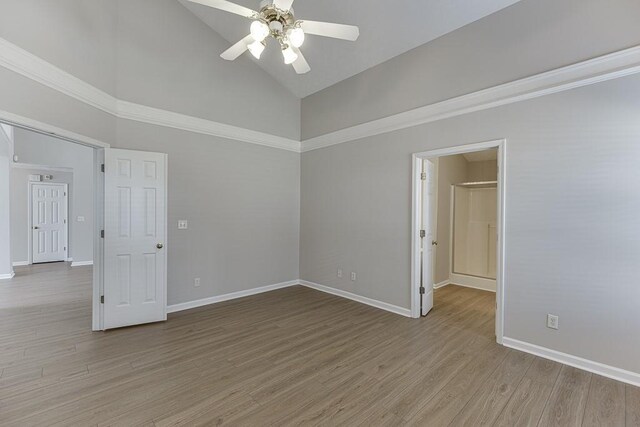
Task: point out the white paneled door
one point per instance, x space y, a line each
135 261
429 188
48 222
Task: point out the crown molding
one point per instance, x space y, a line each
141 113
608 67
603 68
37 69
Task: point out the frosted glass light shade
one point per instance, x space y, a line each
256 48
259 30
296 37
289 55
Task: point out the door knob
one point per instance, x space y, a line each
35 227
159 246
434 243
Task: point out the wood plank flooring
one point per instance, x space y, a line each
289 357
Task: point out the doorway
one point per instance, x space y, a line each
128 233
458 229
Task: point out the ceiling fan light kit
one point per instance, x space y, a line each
276 19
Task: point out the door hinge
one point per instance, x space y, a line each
422 290
101 299
423 176
102 167
102 233
423 234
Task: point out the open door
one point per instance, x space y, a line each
135 261
427 235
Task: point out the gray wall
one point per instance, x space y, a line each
75 35
451 170
572 233
39 149
251 192
20 211
242 204
527 38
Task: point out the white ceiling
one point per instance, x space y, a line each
387 29
481 156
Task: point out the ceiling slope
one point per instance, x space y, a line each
387 29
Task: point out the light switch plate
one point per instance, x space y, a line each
552 321
183 224
80 219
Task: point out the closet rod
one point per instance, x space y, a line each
478 184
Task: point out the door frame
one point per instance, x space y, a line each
30 221
98 223
416 217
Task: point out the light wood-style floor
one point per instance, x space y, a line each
289 357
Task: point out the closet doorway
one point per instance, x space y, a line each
458 233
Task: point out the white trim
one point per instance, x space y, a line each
28 65
442 284
474 282
47 129
37 69
226 297
97 312
608 67
81 263
416 215
144 114
20 263
41 167
598 368
358 298
7 276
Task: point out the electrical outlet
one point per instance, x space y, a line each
353 276
183 224
339 273
196 282
552 321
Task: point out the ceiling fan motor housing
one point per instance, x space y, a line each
277 20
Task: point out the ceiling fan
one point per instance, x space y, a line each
276 19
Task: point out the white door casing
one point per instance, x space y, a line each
48 222
135 218
428 225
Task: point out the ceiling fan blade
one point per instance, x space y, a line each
327 29
300 65
283 4
237 49
228 7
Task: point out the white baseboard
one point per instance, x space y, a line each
20 263
7 276
81 263
473 282
358 298
618 374
226 297
442 284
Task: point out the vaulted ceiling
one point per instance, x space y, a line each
387 29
